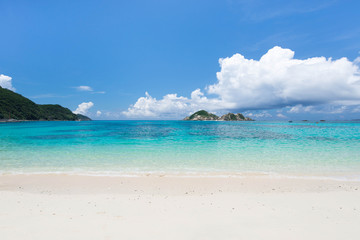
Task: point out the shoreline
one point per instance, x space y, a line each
333 176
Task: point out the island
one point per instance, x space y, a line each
203 115
15 107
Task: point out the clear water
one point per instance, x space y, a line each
180 147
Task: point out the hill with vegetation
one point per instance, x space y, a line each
15 106
203 115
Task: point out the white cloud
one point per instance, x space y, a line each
356 109
357 60
280 115
261 114
321 109
338 110
5 82
276 80
83 108
88 89
169 106
300 108
98 113
84 88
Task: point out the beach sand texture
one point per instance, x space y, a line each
177 207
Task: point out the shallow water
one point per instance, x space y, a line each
180 147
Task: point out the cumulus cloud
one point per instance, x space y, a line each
169 106
5 82
83 108
84 88
279 80
98 113
276 80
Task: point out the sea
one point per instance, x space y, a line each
131 148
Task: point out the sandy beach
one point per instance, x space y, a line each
177 207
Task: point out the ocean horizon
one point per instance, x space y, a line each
181 147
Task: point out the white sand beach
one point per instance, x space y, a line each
174 207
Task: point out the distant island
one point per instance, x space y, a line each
15 107
203 115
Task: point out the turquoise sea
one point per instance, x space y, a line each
132 147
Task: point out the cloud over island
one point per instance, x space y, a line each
83 108
277 80
6 82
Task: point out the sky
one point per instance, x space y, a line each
272 60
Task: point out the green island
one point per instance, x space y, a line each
203 115
15 107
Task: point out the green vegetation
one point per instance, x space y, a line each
15 106
203 114
240 116
230 117
82 117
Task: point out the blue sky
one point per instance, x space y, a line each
122 49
